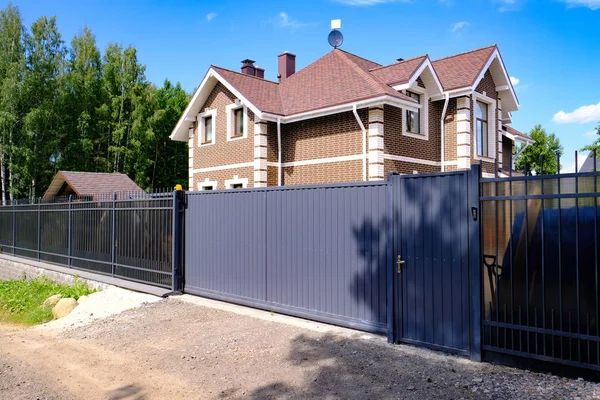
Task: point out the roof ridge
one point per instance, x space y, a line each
241 73
465 52
371 80
399 62
357 56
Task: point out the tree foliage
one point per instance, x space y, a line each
74 107
541 156
595 146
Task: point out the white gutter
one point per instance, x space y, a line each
364 132
442 127
279 151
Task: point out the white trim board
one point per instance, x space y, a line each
412 160
222 167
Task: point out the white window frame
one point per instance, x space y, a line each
201 130
424 115
212 184
230 121
492 121
236 180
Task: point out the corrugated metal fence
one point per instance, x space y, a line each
315 251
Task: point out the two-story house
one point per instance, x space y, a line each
344 118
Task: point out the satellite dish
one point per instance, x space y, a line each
335 38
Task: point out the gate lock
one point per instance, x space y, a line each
399 262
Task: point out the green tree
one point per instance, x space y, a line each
545 147
12 72
595 145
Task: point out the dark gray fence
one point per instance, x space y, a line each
540 267
314 251
126 235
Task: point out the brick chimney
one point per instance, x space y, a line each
260 73
248 67
287 65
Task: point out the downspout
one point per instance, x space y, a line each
364 132
442 127
279 151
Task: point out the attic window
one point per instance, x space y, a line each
206 127
481 121
238 122
415 123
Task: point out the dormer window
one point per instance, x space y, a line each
413 118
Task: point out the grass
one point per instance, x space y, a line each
21 300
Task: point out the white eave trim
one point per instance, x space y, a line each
180 131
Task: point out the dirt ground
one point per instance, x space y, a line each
174 349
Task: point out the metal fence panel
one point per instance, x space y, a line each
316 252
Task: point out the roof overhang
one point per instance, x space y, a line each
371 102
57 183
429 77
212 77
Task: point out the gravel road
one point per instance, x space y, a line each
177 349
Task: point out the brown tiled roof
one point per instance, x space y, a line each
333 79
399 72
461 70
363 63
87 183
515 132
262 93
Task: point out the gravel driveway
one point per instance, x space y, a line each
177 349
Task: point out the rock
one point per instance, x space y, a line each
51 301
477 380
63 308
411 388
82 299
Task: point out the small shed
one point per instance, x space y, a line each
89 184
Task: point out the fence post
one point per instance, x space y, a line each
113 246
177 240
475 212
14 226
391 301
69 251
39 228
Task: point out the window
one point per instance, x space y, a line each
207 185
237 186
413 118
238 122
481 123
206 127
236 183
208 132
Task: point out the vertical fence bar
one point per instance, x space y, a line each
14 227
39 228
543 258
577 255
70 238
527 259
113 245
560 302
595 176
475 259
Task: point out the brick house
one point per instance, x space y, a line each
344 118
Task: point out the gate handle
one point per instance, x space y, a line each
399 262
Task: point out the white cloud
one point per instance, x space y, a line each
368 2
211 16
284 21
591 133
514 81
507 5
458 26
591 4
582 115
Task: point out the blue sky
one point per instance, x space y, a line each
551 47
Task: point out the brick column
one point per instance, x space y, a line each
463 132
375 149
260 154
499 135
191 159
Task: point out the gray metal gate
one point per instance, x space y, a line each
434 226
318 252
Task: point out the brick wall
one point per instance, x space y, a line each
223 152
403 167
345 171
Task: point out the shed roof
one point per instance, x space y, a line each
88 183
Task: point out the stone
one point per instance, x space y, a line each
64 307
51 301
82 299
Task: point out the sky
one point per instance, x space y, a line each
551 48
